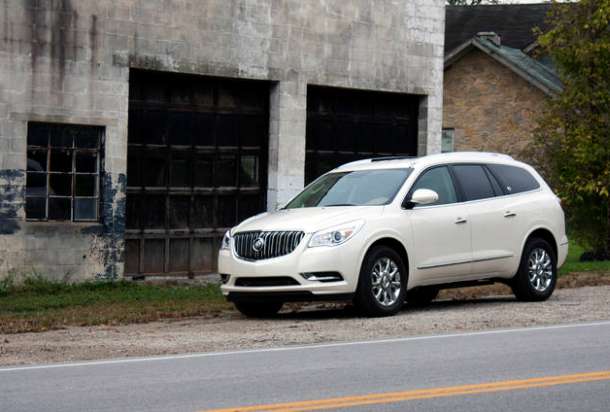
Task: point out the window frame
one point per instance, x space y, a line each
452 131
74 150
496 184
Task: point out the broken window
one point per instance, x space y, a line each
63 172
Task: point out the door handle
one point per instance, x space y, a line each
508 213
460 220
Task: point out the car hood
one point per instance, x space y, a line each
309 220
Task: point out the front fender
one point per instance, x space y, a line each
386 234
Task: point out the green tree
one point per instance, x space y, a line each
471 2
573 134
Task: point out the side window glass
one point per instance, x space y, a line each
494 183
439 180
514 179
474 181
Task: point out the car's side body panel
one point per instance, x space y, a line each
440 258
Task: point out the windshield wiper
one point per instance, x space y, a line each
339 204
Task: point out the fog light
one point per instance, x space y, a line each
323 276
224 278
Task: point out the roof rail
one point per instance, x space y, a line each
383 158
475 153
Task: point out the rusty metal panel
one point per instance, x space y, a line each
197 164
345 125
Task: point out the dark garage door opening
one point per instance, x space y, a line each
345 125
197 164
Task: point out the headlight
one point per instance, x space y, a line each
335 235
226 241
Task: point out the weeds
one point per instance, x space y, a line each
38 304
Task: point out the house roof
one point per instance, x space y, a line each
513 22
531 70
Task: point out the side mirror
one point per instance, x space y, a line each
422 197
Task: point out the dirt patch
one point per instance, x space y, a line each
311 324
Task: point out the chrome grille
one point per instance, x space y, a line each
273 244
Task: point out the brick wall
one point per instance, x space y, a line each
490 107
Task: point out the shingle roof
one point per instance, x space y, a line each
513 22
540 75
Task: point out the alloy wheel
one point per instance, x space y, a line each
385 281
540 269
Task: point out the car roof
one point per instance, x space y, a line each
394 162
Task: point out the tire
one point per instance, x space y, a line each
538 282
258 309
378 277
421 296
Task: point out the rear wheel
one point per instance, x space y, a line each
421 296
537 275
258 309
382 283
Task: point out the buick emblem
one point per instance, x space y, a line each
258 244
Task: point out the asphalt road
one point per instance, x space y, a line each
544 369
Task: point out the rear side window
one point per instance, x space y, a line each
474 181
514 179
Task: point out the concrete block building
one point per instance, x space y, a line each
133 133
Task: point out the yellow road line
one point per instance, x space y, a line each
392 397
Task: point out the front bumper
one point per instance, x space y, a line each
344 259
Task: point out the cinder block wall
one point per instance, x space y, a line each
68 61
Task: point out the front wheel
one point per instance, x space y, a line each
382 283
258 309
537 275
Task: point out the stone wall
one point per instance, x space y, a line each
69 61
490 107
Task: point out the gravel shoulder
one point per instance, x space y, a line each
455 312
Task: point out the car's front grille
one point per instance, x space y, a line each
257 245
266 281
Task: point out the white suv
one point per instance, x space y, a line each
388 230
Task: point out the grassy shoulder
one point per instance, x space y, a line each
574 265
39 305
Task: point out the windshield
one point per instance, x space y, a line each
357 188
